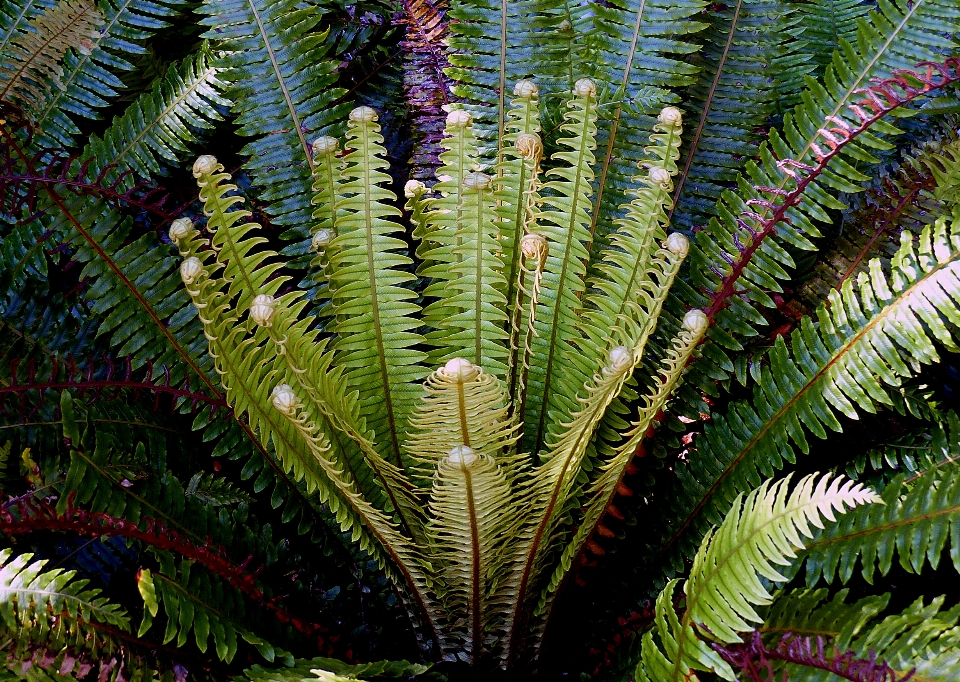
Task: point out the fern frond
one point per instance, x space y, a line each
34 599
374 313
15 17
565 222
639 50
281 74
471 527
827 24
809 155
90 79
735 93
870 338
460 252
461 405
31 66
332 670
761 531
163 123
496 44
915 525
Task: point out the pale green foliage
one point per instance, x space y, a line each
760 532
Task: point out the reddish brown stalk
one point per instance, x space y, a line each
38 515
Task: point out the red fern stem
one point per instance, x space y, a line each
39 515
762 216
755 660
100 383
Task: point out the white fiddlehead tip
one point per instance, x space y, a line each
660 176
460 369
619 360
677 244
529 146
284 400
204 165
321 239
670 116
462 455
585 88
325 145
458 118
190 270
363 115
261 310
533 245
695 321
477 181
179 229
413 188
526 89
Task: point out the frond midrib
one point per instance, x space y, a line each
774 420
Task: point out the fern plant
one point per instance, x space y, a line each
628 290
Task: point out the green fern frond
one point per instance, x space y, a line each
873 335
460 248
827 24
30 68
909 34
945 167
461 405
470 529
639 50
15 17
34 599
761 531
565 222
496 44
90 79
332 670
374 313
916 523
161 125
281 73
736 91
195 605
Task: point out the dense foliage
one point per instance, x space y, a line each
610 339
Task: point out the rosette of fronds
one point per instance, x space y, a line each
439 480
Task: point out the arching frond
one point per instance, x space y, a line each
871 337
761 531
31 64
90 79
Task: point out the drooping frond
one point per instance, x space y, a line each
233 275
34 599
914 526
161 125
852 641
90 79
494 45
460 247
865 343
31 65
735 93
638 50
472 522
374 312
198 609
907 200
760 532
280 71
565 222
461 405
822 147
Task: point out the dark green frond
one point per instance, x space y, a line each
280 69
871 337
91 75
